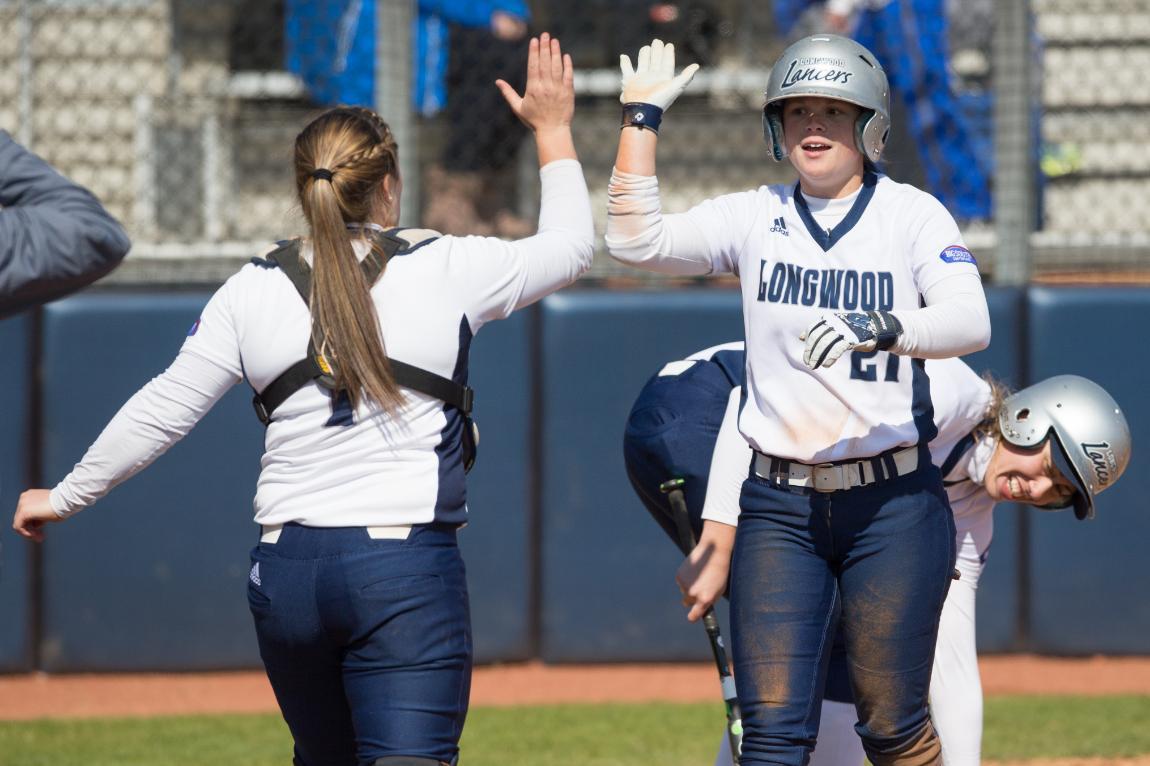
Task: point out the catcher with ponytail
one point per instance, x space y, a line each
356 341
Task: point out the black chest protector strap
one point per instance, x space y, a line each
316 368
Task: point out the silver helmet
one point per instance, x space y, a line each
832 67
1091 437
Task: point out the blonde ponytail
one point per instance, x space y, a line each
998 393
342 159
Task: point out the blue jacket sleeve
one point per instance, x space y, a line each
55 236
473 13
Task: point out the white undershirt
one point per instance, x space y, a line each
829 213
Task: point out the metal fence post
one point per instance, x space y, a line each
1014 205
393 78
24 27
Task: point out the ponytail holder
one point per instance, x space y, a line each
321 173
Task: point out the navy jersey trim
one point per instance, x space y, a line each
451 496
268 263
921 406
409 250
416 246
827 240
956 452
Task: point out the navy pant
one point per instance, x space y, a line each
367 643
875 560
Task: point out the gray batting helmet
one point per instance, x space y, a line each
1091 436
832 67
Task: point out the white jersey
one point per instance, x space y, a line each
324 465
890 250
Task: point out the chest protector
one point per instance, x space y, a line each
318 369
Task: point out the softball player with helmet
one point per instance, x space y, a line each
844 525
1054 445
357 587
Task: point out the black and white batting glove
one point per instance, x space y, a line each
835 334
650 87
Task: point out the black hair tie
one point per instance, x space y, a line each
322 173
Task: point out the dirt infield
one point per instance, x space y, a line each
82 696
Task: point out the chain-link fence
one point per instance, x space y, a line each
180 114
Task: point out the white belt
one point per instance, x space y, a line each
832 477
271 532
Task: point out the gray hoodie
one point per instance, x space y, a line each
55 236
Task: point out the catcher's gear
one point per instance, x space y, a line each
1091 436
836 67
834 334
652 80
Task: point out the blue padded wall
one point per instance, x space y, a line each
608 570
15 571
496 541
999 599
1090 578
153 576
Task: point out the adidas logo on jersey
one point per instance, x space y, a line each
254 576
780 227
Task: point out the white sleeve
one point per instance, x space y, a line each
845 7
955 321
729 466
705 240
154 419
504 276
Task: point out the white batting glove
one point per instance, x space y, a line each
835 334
653 81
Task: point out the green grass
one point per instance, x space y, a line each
587 735
1063 727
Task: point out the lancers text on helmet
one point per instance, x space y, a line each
1102 459
795 75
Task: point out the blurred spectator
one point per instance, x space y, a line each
55 236
910 39
599 29
464 47
460 48
330 44
692 26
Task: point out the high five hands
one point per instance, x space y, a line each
548 101
653 79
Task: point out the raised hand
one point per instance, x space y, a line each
548 101
653 79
